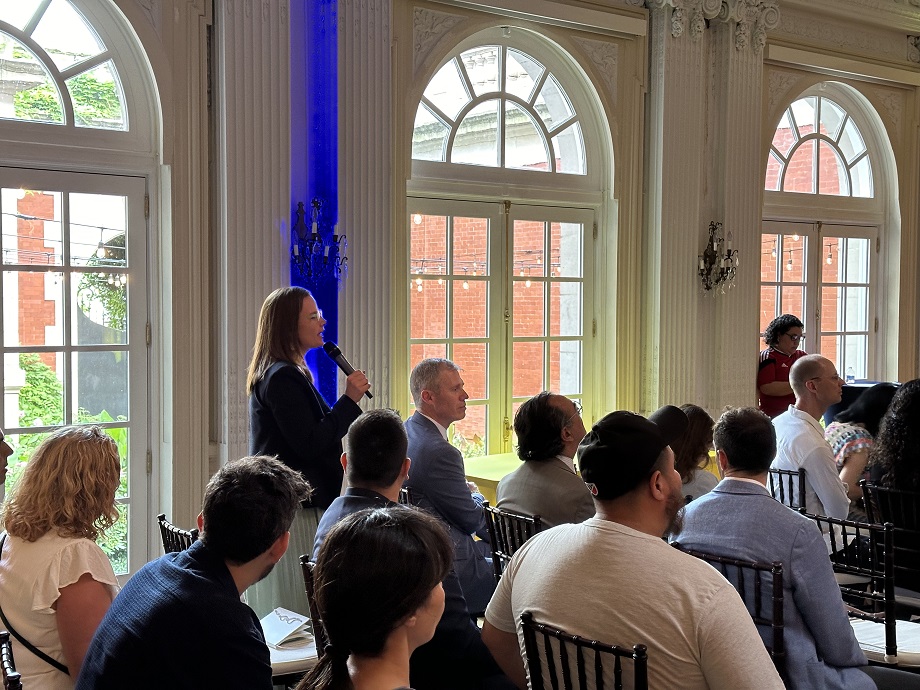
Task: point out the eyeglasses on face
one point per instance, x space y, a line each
578 409
795 337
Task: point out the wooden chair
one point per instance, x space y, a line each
405 496
174 538
554 648
508 531
11 678
788 486
865 550
902 510
750 579
319 632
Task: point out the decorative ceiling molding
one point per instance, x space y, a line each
913 48
604 56
427 28
694 12
892 14
841 35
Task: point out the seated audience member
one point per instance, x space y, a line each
375 467
181 615
612 578
549 428
691 453
55 582
851 436
895 459
782 336
740 519
800 439
438 481
378 590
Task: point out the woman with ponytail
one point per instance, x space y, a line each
378 591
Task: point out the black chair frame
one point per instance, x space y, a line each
175 539
782 486
902 510
11 678
405 496
319 632
531 628
508 531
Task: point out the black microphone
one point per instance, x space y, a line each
336 355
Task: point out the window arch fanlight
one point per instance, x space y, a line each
55 68
497 106
818 148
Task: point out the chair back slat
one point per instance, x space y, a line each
788 486
319 632
902 510
405 496
174 538
508 531
751 579
12 680
555 653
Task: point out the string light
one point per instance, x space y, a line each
830 256
417 218
773 253
789 262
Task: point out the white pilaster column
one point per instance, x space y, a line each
366 189
251 94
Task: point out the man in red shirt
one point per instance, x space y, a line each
783 336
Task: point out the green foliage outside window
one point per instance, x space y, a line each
94 101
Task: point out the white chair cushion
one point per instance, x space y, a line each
871 638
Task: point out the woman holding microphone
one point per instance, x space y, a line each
290 419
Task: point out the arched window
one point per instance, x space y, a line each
505 289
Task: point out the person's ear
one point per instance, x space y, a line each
279 547
405 468
411 621
658 486
723 461
200 522
344 461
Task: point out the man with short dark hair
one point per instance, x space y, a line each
740 519
549 428
612 578
375 468
181 615
800 438
438 481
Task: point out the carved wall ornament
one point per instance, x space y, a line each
841 35
151 8
913 48
893 102
753 18
780 83
604 57
696 11
427 28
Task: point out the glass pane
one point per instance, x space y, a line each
33 308
428 244
528 248
831 268
65 34
856 352
803 110
474 359
23 446
420 351
32 231
100 308
565 375
470 434
769 263
569 147
470 309
476 142
428 309
857 308
768 308
527 373
528 310
471 246
565 246
34 94
774 168
98 100
481 65
553 104
832 347
446 90
120 436
525 147
115 542
800 172
857 259
792 300
861 174
793 267
565 302
831 309
18 13
100 385
34 389
98 224
832 173
851 142
831 118
784 136
521 74
429 138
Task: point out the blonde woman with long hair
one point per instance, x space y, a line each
55 582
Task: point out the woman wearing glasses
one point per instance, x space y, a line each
783 336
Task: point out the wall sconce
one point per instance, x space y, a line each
316 256
718 262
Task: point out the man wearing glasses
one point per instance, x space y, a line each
783 335
549 428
